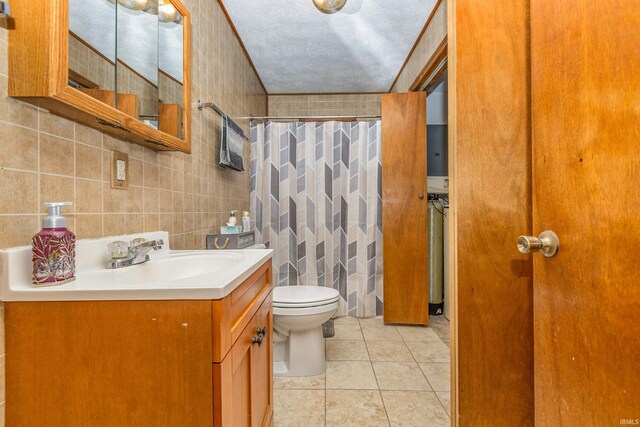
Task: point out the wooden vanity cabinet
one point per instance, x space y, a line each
143 363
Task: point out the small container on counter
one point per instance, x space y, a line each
232 219
246 222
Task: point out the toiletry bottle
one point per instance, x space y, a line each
54 249
246 222
232 219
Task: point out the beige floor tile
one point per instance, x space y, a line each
346 350
441 327
381 333
389 351
429 351
372 321
445 399
438 375
355 408
346 320
306 383
347 332
414 408
351 375
417 333
400 376
295 408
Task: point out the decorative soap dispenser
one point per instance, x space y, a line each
54 249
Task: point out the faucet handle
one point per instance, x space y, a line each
118 249
137 241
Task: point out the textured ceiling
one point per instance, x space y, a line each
139 35
297 49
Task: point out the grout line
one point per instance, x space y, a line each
38 162
375 376
75 174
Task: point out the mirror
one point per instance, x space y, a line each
129 54
137 59
171 69
92 48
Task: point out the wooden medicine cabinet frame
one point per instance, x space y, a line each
39 75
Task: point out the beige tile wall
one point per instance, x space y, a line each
429 42
169 90
44 158
131 82
90 65
311 105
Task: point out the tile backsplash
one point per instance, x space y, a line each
47 158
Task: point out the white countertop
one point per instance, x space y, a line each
169 275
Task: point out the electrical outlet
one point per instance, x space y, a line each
121 174
119 170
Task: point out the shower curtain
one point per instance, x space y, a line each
316 200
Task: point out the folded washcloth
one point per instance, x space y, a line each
232 145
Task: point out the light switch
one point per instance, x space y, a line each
119 170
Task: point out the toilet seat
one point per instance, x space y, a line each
304 296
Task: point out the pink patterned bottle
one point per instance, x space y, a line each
54 249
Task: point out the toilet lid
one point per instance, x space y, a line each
303 296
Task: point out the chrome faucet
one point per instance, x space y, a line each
137 252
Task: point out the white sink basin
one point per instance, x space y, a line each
172 266
168 275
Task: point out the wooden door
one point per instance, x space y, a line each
262 369
585 64
490 203
404 208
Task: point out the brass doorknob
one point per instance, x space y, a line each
547 244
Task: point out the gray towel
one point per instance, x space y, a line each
232 145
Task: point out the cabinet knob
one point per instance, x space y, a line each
257 340
262 331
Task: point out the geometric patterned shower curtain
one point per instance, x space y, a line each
316 200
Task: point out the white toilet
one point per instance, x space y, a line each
298 315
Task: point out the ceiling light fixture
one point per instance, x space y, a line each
134 4
329 6
166 11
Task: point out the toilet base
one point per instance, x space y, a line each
301 355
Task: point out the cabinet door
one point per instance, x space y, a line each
262 368
232 383
243 381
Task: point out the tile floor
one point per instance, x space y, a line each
377 375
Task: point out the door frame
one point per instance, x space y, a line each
515 274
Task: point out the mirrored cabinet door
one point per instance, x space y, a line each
92 48
171 69
137 63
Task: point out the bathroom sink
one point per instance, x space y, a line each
169 274
174 266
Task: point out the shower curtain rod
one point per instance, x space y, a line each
298 118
